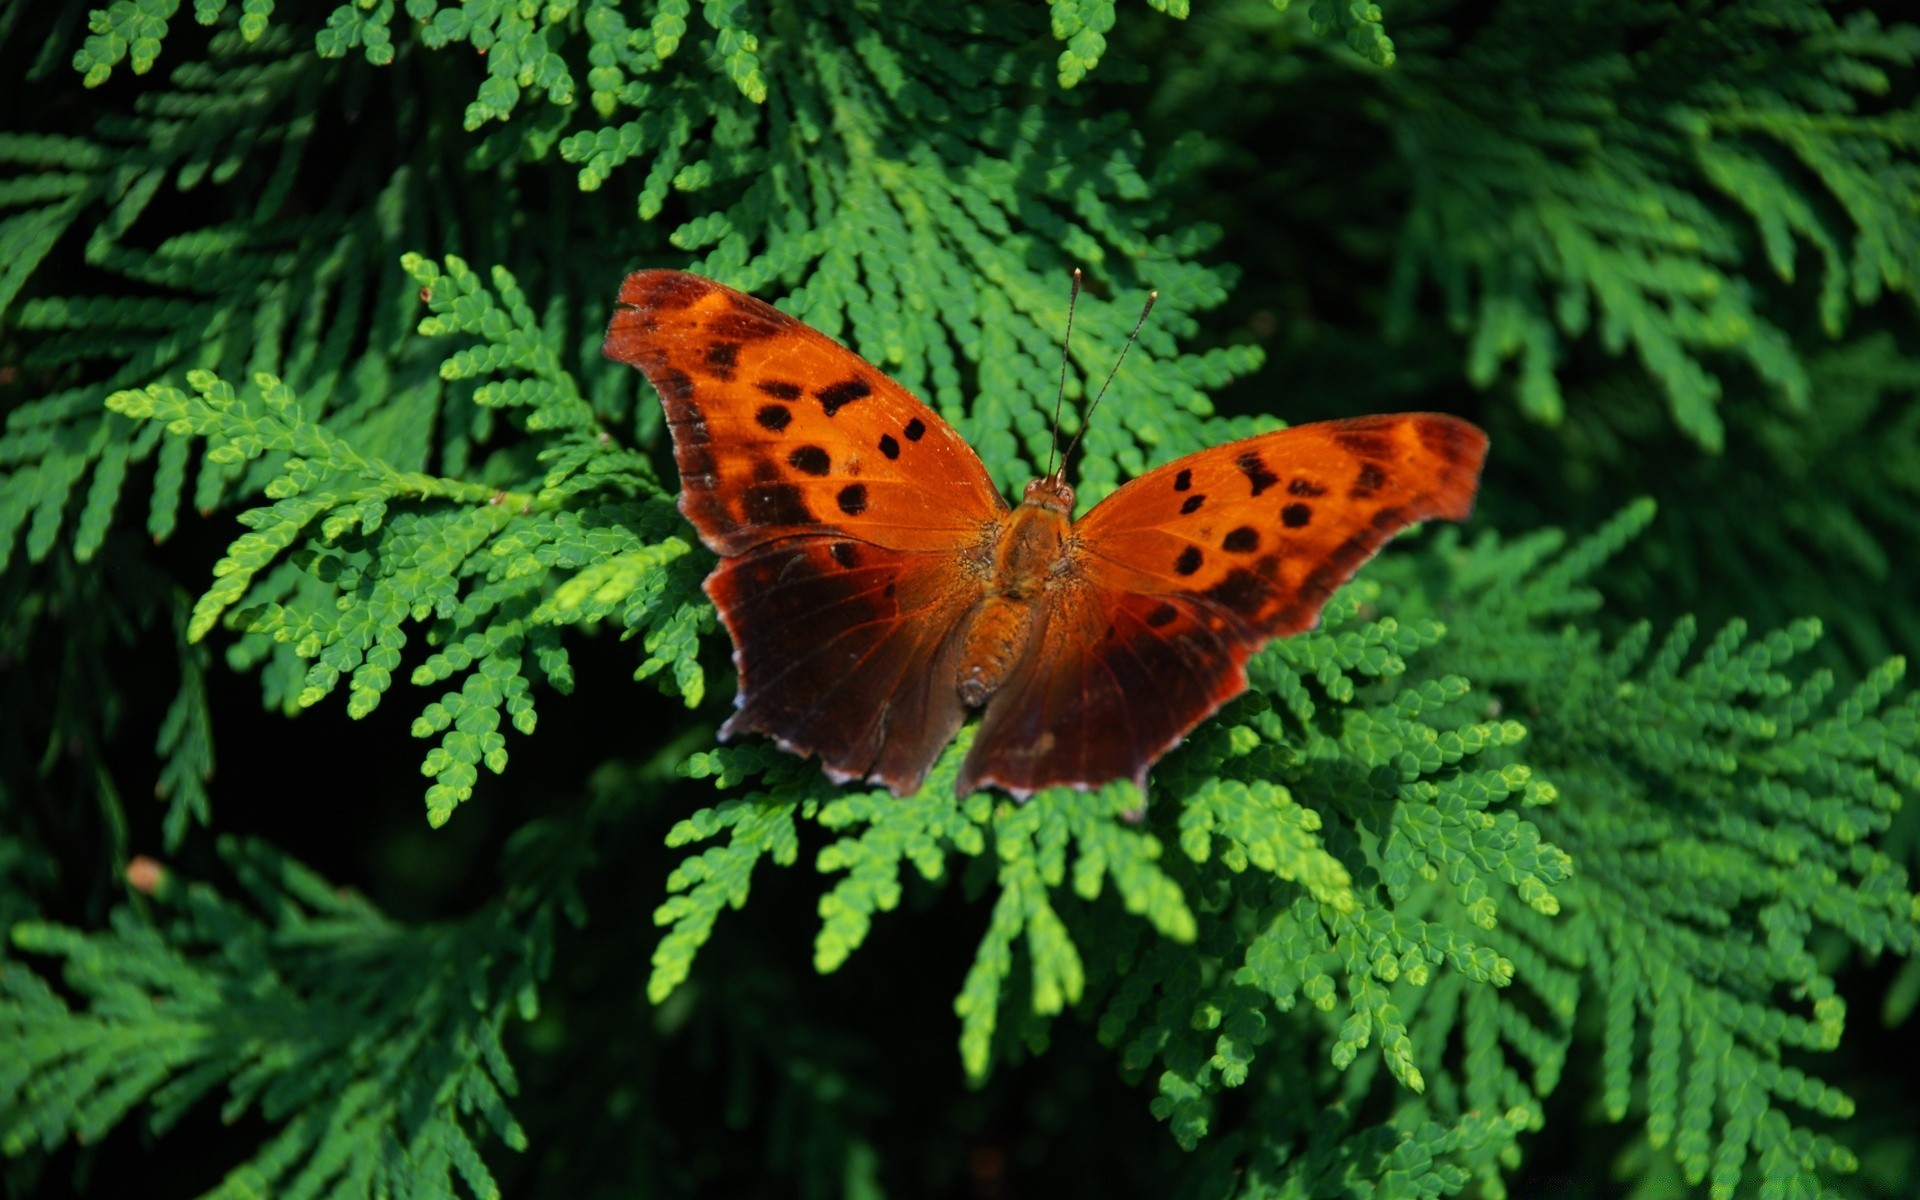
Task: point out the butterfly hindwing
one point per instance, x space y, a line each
1111 682
845 650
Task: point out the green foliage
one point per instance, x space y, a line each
1843 483
1503 850
1377 863
1589 168
472 560
374 1047
1727 812
1084 24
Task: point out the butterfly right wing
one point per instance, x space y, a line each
843 510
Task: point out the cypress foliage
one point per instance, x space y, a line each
1572 851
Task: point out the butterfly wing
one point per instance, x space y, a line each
845 650
1176 579
841 508
780 431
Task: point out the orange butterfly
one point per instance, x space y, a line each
877 586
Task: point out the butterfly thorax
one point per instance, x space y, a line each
1033 541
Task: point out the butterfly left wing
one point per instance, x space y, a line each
841 508
1175 580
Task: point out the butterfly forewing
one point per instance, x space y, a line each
780 431
1266 528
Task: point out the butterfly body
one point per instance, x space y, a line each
877 587
1031 558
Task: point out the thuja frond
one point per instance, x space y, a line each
373 1048
758 826
66 636
1293 909
874 153
1841 486
1304 1152
1084 24
1355 855
1719 806
1572 175
888 170
353 551
253 289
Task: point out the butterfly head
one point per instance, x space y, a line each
1052 493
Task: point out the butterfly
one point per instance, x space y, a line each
877 586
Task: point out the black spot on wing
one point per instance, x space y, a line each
811 460
1453 441
888 446
1192 503
1370 480
1183 480
673 384
1305 487
748 320
1293 516
720 359
778 504
1241 592
1390 519
779 389
1162 616
773 417
915 430
1323 579
1255 469
845 554
1243 540
1188 562
853 499
688 424
836 396
1349 554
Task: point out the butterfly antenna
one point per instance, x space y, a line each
1066 344
1086 418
